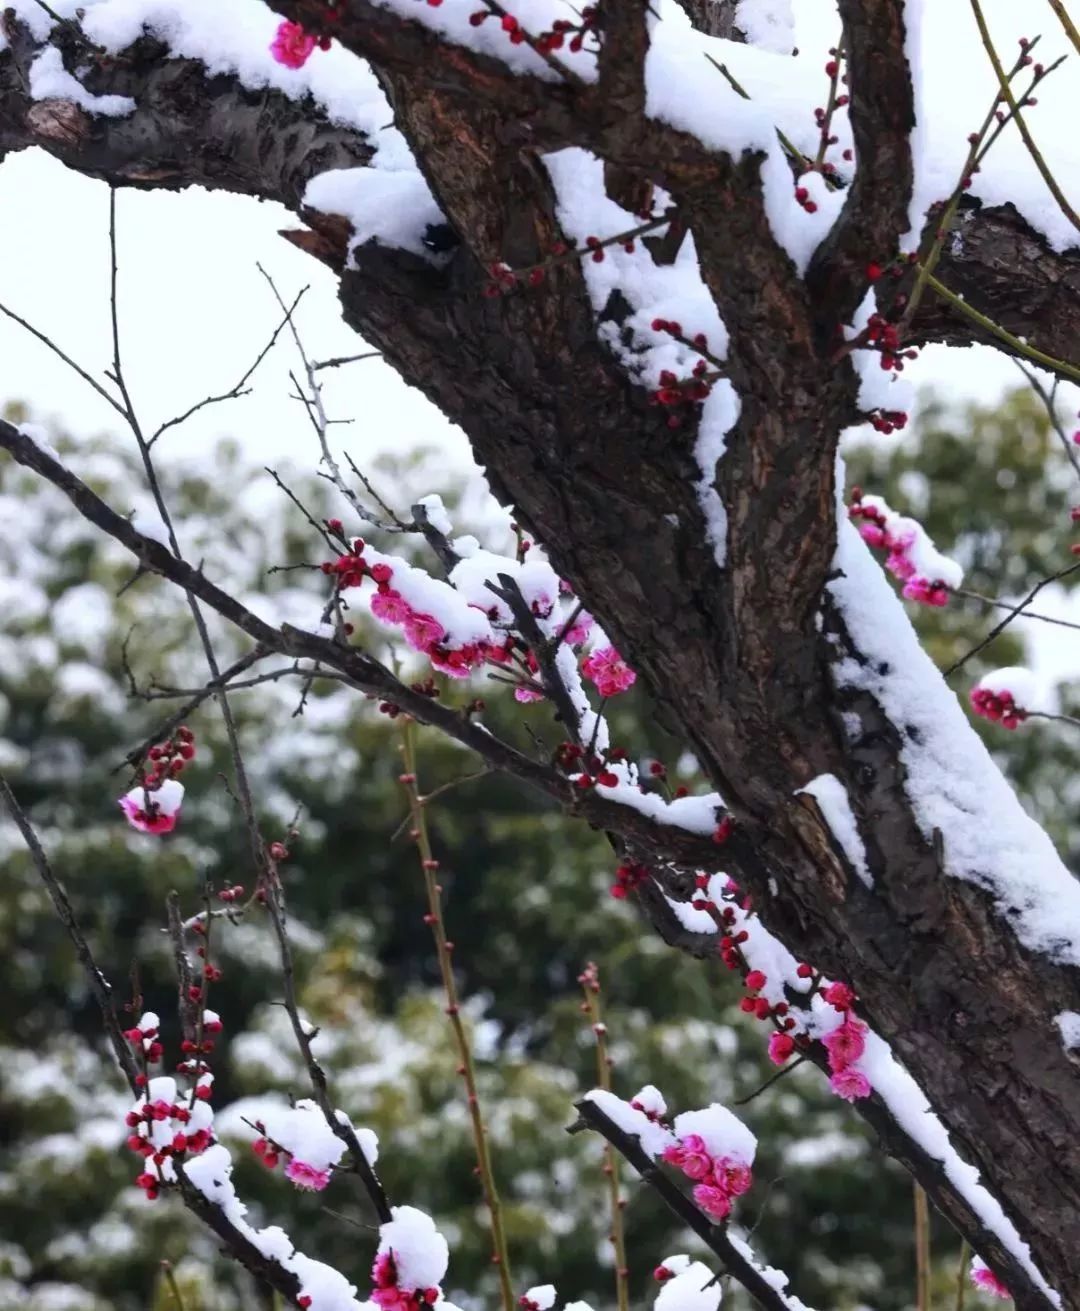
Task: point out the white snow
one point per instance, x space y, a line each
542 1296
1069 1024
695 1288
951 780
168 798
652 1136
769 24
1016 679
723 1133
420 1251
150 524
390 208
303 1131
437 517
50 80
835 806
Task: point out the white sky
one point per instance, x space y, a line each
195 311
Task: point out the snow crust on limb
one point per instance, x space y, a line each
50 80
988 838
1069 1024
391 208
328 1289
652 1135
835 806
890 1081
692 1287
769 24
776 1279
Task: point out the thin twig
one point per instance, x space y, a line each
99 985
1048 398
339 360
466 1066
1016 610
237 389
922 1249
590 986
1014 106
1008 605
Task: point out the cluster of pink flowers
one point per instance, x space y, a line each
608 671
900 539
718 1179
983 1277
422 631
153 805
998 706
388 1293
160 1127
845 1045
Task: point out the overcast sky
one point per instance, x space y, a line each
195 310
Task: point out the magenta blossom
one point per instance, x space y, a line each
691 1156
607 669
846 1043
423 631
732 1176
781 1045
579 630
292 46
307 1176
850 1084
713 1201
153 810
526 694
983 1277
390 606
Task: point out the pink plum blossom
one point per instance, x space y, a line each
292 46
983 1277
423 631
846 1043
307 1176
390 606
713 1201
607 669
850 1084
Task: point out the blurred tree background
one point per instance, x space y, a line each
83 643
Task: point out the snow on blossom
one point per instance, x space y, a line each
1004 696
926 573
540 1298
292 45
835 806
983 1277
419 1251
313 1146
325 1288
653 1136
153 810
650 1101
608 671
690 1286
723 1133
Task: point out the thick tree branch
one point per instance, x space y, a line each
882 111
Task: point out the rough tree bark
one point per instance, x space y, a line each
734 657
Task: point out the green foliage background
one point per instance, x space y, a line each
526 904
